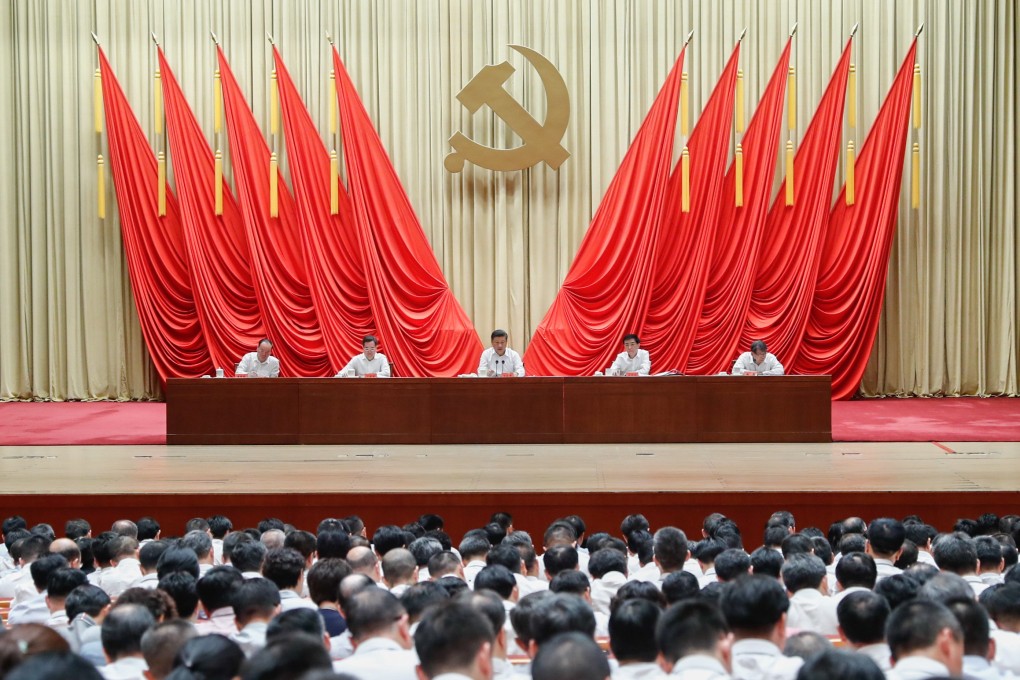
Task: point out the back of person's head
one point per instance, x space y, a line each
670 548
766 562
774 536
43 567
220 526
75 529
178 559
975 625
474 547
332 543
856 569
955 553
216 589
897 589
1003 604
423 549
64 580
706 550
27 640
839 664
822 549
638 590
507 555
354 583
255 597
632 523
632 631
182 587
691 627
917 625
495 533
86 599
149 554
372 612
288 657
387 537
571 582
199 541
862 616
162 642
559 533
324 579
207 657
945 588
679 586
148 529
443 564
304 542
605 561
805 644
54 666
488 603
570 656
125 527
852 542
123 628
283 566
803 571
796 544
559 559
67 549
248 555
419 597
496 578
271 524
398 565
521 615
363 559
731 563
886 535
430 521
754 604
301 620
453 637
158 602
561 613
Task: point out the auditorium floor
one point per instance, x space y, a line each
713 468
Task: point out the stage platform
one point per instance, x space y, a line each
670 483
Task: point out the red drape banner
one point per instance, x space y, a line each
738 233
332 252
607 288
687 239
855 260
787 265
422 326
215 244
154 245
278 267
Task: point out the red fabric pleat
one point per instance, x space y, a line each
681 269
154 245
855 259
278 267
422 326
738 233
787 265
332 251
606 291
216 248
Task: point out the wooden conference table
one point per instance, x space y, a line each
499 411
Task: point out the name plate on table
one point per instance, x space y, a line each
371 375
508 375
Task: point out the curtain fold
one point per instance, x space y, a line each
336 270
855 259
607 289
154 245
278 267
682 263
423 329
215 245
739 233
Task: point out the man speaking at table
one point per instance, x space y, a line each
499 360
633 360
757 362
259 364
369 364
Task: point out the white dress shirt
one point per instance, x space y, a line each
917 668
1007 650
32 610
810 610
380 659
885 568
289 599
128 668
636 671
603 590
978 668
510 362
699 667
252 637
769 366
756 659
360 366
270 368
640 363
879 653
121 577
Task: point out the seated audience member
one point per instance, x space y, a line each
60 584
382 640
925 640
560 559
732 563
908 556
885 541
69 550
363 560
148 530
811 609
178 559
445 564
766 562
836 664
288 657
260 363
669 554
216 593
639 590
158 602
86 607
490 606
632 639
956 553
121 634
705 552
796 544
559 614
423 549
499 580
247 557
34 609
757 362
862 616
201 542
399 570
855 572
54 666
633 360
208 657
181 586
978 648
852 542
608 569
921 535
499 359
73 528
255 603
161 644
805 644
455 640
577 584
148 559
219 527
521 616
26 641
755 609
369 363
680 586
285 567
570 656
273 539
1003 605
898 589
420 597
473 551
991 563
324 589
306 621
125 566
388 537
331 544
694 641
510 557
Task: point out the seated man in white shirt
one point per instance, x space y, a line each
925 640
59 585
382 640
956 553
286 568
633 360
454 640
862 615
122 632
978 647
811 608
631 632
369 364
755 608
260 363
694 641
757 362
34 609
500 360
570 655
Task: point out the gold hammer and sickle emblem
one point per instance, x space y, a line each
541 140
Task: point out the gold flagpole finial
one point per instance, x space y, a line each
155 41
269 37
329 38
919 29
95 38
214 38
689 36
794 29
853 31
742 34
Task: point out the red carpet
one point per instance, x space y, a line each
866 420
952 419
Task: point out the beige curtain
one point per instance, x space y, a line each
68 329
